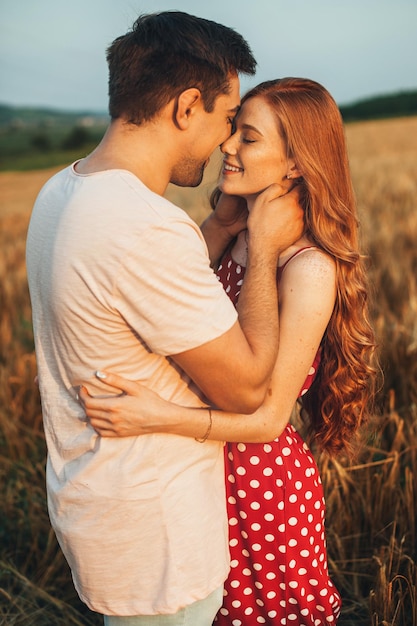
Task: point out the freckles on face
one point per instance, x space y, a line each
255 156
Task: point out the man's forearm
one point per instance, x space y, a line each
275 222
258 311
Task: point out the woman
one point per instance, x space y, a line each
288 132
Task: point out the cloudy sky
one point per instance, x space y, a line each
52 52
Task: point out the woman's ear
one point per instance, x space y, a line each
187 104
293 171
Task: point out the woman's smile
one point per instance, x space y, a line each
228 168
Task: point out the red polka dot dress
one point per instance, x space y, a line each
276 510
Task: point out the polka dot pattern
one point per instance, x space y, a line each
279 573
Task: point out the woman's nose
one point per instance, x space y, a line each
227 147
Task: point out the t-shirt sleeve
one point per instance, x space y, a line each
169 294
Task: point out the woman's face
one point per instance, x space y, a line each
255 156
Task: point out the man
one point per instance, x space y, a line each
120 279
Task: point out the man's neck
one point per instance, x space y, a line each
137 149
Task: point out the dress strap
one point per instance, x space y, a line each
281 267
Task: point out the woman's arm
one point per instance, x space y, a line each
140 411
307 295
224 223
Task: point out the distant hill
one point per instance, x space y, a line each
36 138
25 117
399 104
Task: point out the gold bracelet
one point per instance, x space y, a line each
206 434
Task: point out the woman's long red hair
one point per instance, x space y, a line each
311 125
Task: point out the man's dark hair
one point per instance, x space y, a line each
166 53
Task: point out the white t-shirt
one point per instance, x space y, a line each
119 280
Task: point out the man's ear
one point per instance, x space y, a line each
187 103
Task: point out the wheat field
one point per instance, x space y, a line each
371 500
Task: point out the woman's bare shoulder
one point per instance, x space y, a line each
311 257
310 267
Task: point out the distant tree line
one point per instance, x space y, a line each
78 137
32 138
393 105
32 116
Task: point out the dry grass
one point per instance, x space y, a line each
371 501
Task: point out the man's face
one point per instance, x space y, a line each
209 130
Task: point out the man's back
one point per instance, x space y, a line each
120 279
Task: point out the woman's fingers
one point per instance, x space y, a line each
88 402
100 415
112 416
127 409
118 382
103 428
96 408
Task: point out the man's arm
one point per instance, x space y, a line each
308 294
234 370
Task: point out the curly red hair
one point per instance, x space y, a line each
311 125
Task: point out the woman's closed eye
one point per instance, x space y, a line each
246 139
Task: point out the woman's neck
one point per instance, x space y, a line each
239 250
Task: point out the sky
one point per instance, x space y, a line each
52 52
